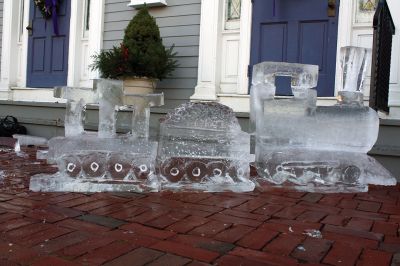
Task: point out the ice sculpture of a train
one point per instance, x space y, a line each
106 161
202 148
310 147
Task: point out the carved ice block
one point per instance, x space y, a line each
104 162
310 147
202 148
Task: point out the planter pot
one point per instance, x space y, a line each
139 85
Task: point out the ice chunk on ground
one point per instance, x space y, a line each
30 140
202 148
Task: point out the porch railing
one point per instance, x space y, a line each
384 30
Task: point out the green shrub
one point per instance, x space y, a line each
141 53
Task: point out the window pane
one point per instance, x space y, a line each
233 9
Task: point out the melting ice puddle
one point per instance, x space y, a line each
313 233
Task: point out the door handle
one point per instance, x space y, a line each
331 8
30 28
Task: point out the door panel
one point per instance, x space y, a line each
297 32
48 53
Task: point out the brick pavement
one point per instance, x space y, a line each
191 228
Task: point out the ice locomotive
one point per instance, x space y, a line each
104 162
315 148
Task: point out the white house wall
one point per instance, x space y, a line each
179 24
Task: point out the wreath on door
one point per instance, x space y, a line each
49 9
46 7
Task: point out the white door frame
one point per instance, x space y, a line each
13 72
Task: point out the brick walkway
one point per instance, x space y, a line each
192 228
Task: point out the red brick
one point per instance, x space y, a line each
65 197
311 216
269 209
46 261
348 204
234 233
290 212
139 256
251 205
186 251
148 231
350 240
229 260
108 209
61 242
133 238
352 232
284 244
369 206
66 212
260 256
210 229
94 205
127 212
314 250
144 217
26 231
376 198
374 257
336 220
247 215
342 254
187 224
257 239
235 220
167 219
83 226
76 201
12 208
390 209
204 243
385 228
365 215
189 197
24 202
43 236
359 224
7 216
312 197
224 202
13 224
290 226
106 253
169 259
330 200
86 246
44 215
318 207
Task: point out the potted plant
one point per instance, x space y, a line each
141 59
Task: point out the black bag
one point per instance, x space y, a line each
10 126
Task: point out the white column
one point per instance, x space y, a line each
209 53
9 63
96 26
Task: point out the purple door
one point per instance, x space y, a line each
48 52
297 31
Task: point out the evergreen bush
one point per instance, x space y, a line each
141 53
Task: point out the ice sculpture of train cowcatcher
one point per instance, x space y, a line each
315 148
106 162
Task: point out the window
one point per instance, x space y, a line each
233 9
